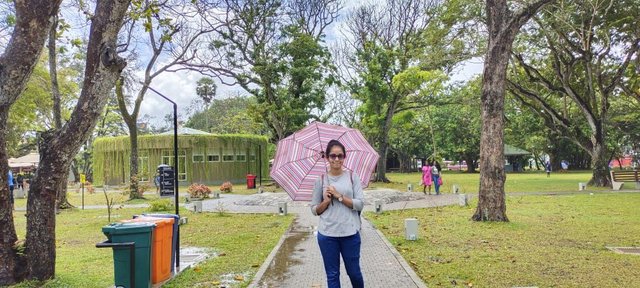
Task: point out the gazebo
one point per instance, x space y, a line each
25 164
513 157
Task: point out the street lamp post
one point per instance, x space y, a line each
175 170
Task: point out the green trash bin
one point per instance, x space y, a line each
140 233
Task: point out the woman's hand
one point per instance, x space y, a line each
333 192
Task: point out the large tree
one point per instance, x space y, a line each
503 25
57 147
274 50
386 42
32 20
173 31
590 45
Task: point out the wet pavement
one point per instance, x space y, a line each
296 260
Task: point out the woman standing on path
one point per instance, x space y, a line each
426 177
339 205
435 174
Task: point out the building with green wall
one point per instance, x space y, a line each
202 157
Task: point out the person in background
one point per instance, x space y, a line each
435 176
426 177
338 199
20 179
10 180
156 181
547 167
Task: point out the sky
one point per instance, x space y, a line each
181 86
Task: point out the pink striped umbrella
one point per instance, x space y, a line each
299 162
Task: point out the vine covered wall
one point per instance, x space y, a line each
208 159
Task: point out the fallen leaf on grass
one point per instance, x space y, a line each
222 254
239 278
197 269
255 265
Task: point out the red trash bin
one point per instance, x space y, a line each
251 181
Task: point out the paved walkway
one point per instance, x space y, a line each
296 260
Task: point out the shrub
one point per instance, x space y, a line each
226 187
196 190
160 205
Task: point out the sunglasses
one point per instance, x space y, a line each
336 156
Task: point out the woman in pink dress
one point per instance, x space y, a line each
426 177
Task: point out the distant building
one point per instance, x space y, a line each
514 158
202 157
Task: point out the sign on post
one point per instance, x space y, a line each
83 178
167 184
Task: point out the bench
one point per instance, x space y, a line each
619 177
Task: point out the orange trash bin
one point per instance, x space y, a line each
161 248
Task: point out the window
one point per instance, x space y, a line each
143 165
198 158
252 156
227 156
241 156
213 156
167 158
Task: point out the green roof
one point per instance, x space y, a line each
514 151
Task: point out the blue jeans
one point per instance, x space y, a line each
435 183
331 248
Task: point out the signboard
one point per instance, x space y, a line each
83 178
167 184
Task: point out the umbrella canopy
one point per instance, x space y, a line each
299 162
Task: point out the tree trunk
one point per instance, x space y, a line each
133 163
405 163
12 264
600 166
383 142
57 148
61 198
471 164
503 26
32 20
491 201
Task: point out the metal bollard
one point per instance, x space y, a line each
409 187
411 229
282 208
197 206
455 189
463 200
378 206
582 186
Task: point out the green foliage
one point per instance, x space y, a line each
206 89
161 205
33 111
228 116
284 65
457 126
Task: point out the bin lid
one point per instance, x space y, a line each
160 222
160 215
128 228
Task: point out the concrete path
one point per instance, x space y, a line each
296 259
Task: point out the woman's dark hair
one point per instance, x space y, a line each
334 143
437 166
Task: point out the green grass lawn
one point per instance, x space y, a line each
80 264
551 241
516 182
